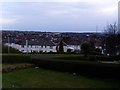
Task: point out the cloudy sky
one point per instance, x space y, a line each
58 15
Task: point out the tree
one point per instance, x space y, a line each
85 48
118 44
111 33
98 51
60 48
92 46
12 50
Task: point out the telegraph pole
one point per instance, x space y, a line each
27 46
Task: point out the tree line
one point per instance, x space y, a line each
110 44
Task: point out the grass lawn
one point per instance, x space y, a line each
5 65
12 54
42 78
9 67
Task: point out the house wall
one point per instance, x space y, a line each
76 47
37 48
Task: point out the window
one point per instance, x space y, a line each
51 47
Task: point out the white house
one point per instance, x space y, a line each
34 46
74 46
40 46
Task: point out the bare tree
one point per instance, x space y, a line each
60 48
111 33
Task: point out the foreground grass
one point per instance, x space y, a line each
44 54
41 78
5 65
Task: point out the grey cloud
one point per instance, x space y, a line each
55 16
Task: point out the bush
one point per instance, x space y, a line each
108 58
80 67
11 50
8 58
92 58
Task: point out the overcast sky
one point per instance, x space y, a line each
58 15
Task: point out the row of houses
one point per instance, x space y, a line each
41 46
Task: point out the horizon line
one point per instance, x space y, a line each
53 31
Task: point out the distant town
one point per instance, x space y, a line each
33 41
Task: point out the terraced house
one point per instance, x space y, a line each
38 46
33 45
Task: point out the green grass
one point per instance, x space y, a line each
41 78
7 67
44 54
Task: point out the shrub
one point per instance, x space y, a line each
108 58
11 50
92 58
80 67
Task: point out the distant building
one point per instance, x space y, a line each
34 46
41 46
74 46
47 41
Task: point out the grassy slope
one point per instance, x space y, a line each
14 64
41 78
42 54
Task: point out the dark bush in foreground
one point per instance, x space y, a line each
82 67
8 58
108 58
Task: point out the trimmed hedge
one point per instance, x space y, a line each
108 58
81 67
8 58
81 57
73 64
69 57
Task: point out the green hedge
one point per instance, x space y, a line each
80 57
8 58
89 58
108 58
81 67
70 57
